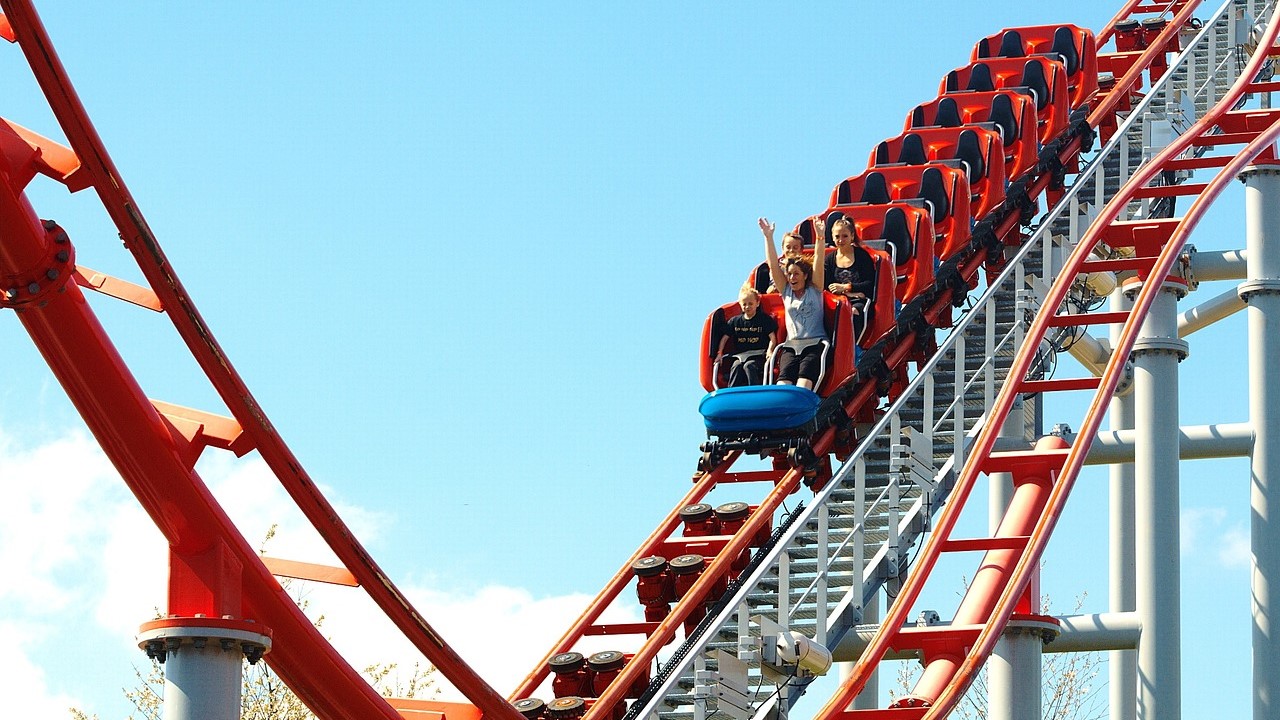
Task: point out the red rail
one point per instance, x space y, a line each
301 655
1045 476
214 568
865 395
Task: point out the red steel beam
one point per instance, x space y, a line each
29 32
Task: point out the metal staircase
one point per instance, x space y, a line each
828 559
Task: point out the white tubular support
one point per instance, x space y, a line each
1217 265
869 698
1117 632
1076 633
1262 292
1014 672
1157 571
1210 312
1091 353
202 665
1195 442
1122 663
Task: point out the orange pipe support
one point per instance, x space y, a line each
1031 492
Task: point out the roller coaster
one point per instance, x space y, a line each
1057 167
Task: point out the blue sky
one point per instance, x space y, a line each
462 256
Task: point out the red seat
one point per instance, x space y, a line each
1011 112
883 304
950 211
978 150
838 320
889 223
1046 78
1076 46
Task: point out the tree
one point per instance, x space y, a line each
263 695
1072 688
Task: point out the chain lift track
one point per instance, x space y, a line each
670 694
1044 476
796 577
821 563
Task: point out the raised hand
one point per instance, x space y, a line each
766 227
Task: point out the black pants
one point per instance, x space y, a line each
807 365
746 369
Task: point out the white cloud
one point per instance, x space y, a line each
479 625
1235 548
88 562
49 497
1196 524
1211 533
23 682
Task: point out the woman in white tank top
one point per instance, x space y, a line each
800 358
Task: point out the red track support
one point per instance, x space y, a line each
216 573
140 444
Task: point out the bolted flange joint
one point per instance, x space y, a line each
1176 284
49 275
1161 345
1045 627
159 638
1259 168
1249 288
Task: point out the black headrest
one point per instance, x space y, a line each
969 149
1033 77
912 151
948 114
980 79
917 117
882 153
831 220
874 189
897 234
761 280
805 231
1011 44
1064 44
933 188
953 81
1002 115
844 193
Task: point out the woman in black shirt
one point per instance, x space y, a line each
851 272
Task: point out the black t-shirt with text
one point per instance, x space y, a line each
751 333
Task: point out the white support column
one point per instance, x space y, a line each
1262 292
203 660
1013 673
1014 670
1000 485
1156 354
869 698
1122 664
